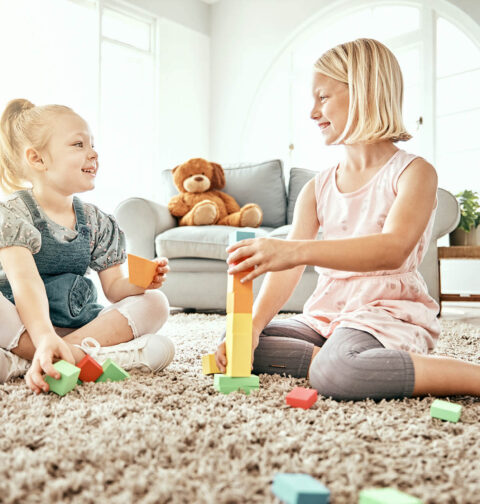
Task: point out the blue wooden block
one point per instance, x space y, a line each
297 488
236 236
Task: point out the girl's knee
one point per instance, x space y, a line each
156 306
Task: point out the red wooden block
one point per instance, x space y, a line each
90 369
301 397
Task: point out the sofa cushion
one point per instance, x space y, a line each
208 242
298 178
282 232
261 183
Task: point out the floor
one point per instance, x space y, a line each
462 312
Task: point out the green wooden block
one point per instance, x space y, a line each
386 496
445 410
236 236
112 372
68 380
226 384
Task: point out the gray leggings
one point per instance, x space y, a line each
352 364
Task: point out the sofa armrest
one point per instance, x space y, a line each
142 220
447 216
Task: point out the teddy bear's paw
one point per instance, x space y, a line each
205 213
251 216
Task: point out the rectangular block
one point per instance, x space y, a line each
226 384
445 410
141 271
386 496
90 369
112 372
240 302
68 379
301 397
299 489
209 366
234 283
236 236
239 344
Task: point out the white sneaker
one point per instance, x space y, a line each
150 351
11 365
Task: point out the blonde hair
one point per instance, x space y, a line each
375 88
23 125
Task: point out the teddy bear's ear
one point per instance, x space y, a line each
175 169
218 177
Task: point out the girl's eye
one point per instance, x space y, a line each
78 144
322 98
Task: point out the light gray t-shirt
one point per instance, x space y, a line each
107 243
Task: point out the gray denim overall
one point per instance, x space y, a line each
72 298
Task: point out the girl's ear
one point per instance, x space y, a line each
218 177
34 159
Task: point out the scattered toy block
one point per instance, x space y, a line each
299 489
445 410
209 366
112 372
240 302
68 379
90 369
386 496
238 344
236 236
141 271
226 384
301 397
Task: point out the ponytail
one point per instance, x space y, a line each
22 125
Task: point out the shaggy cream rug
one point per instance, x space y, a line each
170 438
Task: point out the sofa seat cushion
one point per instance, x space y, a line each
282 232
208 242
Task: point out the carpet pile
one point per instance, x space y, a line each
171 438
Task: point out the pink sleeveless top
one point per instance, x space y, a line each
394 305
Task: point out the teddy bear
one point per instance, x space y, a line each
200 203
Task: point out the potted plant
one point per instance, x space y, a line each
468 230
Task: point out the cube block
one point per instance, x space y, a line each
299 489
234 283
240 302
112 372
236 236
68 380
226 384
141 271
445 410
238 344
209 366
90 369
301 397
386 496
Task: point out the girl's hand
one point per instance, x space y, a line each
160 275
262 254
51 347
221 353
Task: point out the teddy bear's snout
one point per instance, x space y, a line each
197 183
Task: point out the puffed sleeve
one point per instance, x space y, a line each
16 229
108 247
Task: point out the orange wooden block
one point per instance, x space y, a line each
141 271
240 302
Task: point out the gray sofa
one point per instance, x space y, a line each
198 278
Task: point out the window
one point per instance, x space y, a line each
441 68
109 79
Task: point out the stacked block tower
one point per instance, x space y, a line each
239 330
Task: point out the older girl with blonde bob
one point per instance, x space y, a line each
367 329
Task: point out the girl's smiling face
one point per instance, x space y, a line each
330 109
70 159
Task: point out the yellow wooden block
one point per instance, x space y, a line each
209 366
240 302
239 344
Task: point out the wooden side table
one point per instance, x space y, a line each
467 252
